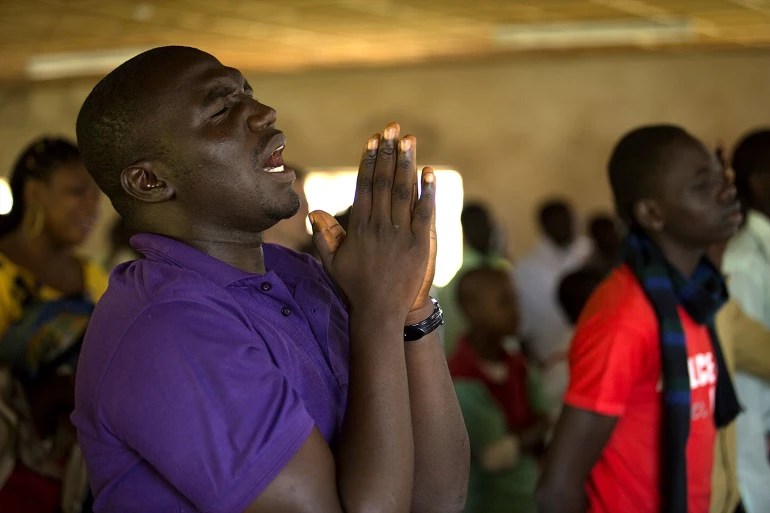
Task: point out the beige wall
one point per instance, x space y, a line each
518 129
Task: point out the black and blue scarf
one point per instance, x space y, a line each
701 295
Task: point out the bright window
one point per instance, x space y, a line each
6 199
332 190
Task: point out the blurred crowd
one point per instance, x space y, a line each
571 340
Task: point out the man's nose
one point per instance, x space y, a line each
728 192
262 117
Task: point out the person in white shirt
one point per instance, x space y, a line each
747 266
544 327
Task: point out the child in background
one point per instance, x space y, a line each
500 396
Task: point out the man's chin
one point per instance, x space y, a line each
288 209
294 207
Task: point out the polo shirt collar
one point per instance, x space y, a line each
171 251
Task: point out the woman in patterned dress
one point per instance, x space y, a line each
47 293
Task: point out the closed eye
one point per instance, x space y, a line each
701 186
707 183
220 112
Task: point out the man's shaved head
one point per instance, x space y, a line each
115 124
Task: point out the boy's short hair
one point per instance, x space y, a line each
465 292
751 156
638 160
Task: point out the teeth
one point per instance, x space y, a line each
274 169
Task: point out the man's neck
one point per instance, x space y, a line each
242 250
555 246
683 259
245 255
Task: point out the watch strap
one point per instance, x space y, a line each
414 332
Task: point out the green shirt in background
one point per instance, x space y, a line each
507 491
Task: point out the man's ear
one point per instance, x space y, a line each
648 214
143 182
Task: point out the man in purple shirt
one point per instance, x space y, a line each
222 374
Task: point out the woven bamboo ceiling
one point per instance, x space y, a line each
55 38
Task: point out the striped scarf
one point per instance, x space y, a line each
701 296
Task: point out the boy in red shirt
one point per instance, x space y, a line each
648 384
500 395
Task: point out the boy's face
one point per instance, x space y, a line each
698 205
495 308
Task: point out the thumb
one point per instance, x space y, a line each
327 235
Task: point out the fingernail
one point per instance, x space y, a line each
312 218
389 133
405 144
429 177
372 144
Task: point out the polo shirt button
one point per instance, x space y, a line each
266 286
286 311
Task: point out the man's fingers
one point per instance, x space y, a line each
425 208
327 235
362 202
384 171
404 183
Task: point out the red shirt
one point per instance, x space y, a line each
512 395
615 370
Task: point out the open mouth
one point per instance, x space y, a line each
274 163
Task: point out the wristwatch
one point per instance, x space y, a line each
417 331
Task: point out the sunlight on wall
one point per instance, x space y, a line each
6 199
332 190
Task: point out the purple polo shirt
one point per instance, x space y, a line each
198 382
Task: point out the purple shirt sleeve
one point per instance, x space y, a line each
209 411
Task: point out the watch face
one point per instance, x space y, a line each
413 334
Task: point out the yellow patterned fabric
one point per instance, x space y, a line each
22 299
17 284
